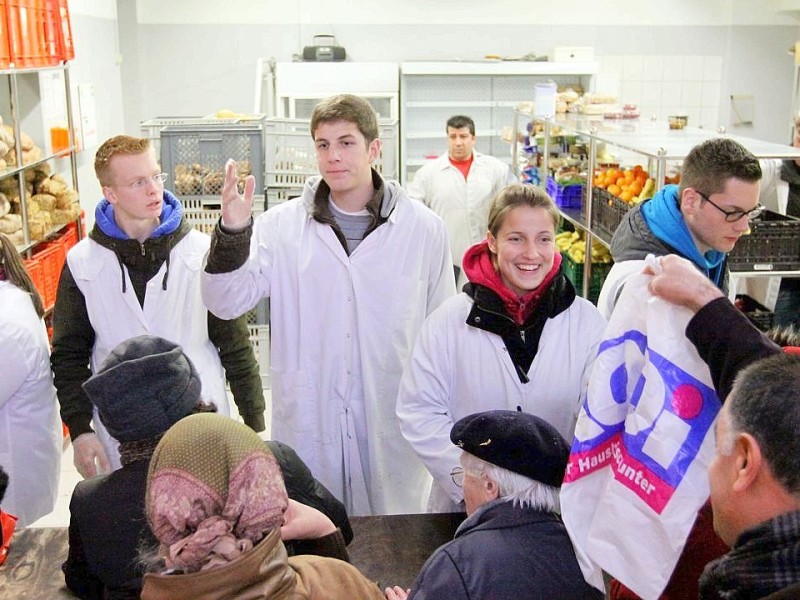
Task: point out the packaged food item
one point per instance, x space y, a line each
678 121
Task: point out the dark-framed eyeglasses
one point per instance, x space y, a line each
731 216
458 476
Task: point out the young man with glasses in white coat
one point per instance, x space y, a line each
138 272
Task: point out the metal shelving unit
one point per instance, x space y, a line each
487 91
652 140
21 104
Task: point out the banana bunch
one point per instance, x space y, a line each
573 244
565 239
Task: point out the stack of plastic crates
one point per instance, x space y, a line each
194 151
291 158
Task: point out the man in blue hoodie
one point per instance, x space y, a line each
701 219
138 272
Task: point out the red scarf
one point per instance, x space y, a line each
480 270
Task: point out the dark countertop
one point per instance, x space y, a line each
387 549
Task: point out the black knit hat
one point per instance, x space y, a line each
144 386
516 441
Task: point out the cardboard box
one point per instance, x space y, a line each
573 54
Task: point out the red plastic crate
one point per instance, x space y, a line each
28 24
36 273
66 47
51 257
5 47
70 236
52 31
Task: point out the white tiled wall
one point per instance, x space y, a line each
664 85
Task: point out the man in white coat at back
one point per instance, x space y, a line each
459 187
352 268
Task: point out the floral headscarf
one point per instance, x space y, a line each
213 491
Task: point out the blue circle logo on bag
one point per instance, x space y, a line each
645 418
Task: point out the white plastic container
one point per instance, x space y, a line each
544 99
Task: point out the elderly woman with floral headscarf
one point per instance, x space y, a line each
216 502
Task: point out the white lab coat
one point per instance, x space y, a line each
177 314
457 370
462 203
342 328
30 428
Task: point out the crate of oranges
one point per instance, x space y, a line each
615 190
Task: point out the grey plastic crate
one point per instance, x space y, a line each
203 215
194 156
291 158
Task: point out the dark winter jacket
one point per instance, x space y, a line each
505 553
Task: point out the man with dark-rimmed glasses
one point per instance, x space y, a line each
701 220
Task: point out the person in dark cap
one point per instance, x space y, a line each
145 385
512 544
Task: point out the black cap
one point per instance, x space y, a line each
143 387
515 441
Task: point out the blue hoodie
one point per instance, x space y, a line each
663 216
171 215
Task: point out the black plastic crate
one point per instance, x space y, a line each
607 211
772 245
758 314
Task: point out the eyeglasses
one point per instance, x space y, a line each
139 184
458 476
731 216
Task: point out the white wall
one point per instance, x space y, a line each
95 35
457 12
193 57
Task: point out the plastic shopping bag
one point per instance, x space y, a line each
637 470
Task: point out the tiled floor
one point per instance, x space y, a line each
70 477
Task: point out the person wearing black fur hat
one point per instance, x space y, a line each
512 544
107 522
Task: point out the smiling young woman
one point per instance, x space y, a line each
517 337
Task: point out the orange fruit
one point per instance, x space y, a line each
626 195
614 189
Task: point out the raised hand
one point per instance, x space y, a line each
677 280
236 209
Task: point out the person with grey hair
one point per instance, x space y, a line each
512 544
459 186
755 485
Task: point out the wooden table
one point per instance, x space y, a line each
387 549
